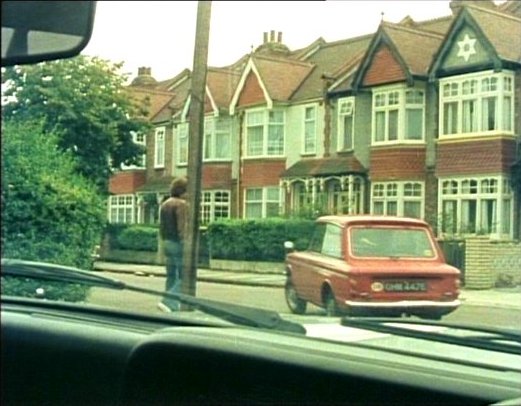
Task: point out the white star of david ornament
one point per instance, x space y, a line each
466 47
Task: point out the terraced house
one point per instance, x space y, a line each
320 129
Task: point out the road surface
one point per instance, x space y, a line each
273 299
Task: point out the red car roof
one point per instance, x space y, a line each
345 220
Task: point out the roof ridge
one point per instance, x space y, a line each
346 40
285 60
150 90
225 69
494 11
432 20
414 30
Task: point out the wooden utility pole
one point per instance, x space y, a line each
195 142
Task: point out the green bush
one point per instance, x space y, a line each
49 212
257 240
138 238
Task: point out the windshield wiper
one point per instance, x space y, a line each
238 314
488 338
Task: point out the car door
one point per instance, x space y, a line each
306 265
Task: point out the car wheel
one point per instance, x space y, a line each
330 304
295 303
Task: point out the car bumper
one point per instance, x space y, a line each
407 304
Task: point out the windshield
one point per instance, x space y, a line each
400 243
219 150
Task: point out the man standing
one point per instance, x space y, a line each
172 230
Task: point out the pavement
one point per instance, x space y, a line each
509 298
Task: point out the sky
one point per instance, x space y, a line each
161 34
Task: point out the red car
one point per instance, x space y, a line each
372 265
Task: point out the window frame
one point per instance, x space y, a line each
264 201
182 131
306 122
341 135
452 92
265 124
211 136
120 203
159 147
211 205
393 99
382 192
477 192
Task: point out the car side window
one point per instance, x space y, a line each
332 245
317 239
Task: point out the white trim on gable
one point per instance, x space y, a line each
212 102
250 67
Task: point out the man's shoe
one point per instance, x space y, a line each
163 307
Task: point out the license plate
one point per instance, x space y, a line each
405 286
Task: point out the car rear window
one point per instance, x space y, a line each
391 242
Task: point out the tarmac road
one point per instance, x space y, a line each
272 298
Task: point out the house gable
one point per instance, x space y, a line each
250 90
385 68
382 64
465 49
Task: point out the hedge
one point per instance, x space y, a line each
257 240
234 239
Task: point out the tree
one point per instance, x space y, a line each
83 100
49 212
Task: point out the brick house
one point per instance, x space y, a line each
322 128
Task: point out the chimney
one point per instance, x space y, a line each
144 77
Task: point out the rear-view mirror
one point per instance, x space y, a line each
36 31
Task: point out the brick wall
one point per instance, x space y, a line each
384 163
217 176
260 173
489 262
126 182
475 157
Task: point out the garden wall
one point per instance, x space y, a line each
490 263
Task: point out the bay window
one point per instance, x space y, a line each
217 138
264 133
398 199
398 115
476 206
476 103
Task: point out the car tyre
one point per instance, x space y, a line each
330 304
295 303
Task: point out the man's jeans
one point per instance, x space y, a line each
174 269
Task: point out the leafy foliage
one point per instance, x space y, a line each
139 238
84 101
49 212
257 240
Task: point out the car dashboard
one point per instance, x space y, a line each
63 354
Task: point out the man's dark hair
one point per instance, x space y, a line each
178 187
